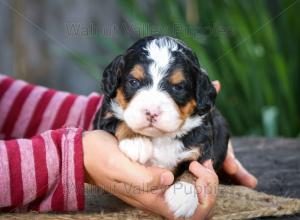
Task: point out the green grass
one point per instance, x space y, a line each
252 47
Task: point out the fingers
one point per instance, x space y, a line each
145 178
217 85
243 177
206 183
229 164
121 169
236 170
207 188
199 170
102 156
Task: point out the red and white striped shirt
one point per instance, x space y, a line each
41 155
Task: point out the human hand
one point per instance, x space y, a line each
236 171
143 187
232 166
207 188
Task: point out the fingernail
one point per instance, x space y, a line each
166 178
253 181
194 166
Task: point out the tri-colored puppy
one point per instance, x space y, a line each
159 103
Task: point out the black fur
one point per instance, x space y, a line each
107 124
212 137
111 75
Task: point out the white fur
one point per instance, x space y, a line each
157 74
163 149
117 110
136 118
167 152
137 149
155 101
159 50
164 152
152 98
182 199
189 124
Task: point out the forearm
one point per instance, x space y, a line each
27 110
44 173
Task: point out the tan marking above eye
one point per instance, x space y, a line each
138 72
176 76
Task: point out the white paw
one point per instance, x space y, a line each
137 149
182 199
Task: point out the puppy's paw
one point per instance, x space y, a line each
182 199
137 149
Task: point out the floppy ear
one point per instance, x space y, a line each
111 76
205 92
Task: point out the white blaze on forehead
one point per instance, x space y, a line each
160 52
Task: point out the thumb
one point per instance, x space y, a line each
144 178
158 177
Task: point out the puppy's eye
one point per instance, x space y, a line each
178 87
134 83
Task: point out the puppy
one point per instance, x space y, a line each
159 103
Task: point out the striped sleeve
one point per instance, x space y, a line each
44 173
27 110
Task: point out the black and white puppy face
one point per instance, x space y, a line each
158 88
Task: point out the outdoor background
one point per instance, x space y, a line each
252 47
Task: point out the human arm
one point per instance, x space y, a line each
27 110
44 173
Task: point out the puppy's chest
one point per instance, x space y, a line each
168 152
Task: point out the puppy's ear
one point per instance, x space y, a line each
205 92
111 76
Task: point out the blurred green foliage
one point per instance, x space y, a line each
252 47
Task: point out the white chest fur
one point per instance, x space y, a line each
167 152
163 152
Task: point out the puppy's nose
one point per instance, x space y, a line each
152 115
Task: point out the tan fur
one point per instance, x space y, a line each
176 77
138 72
121 99
194 154
188 109
123 132
187 177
